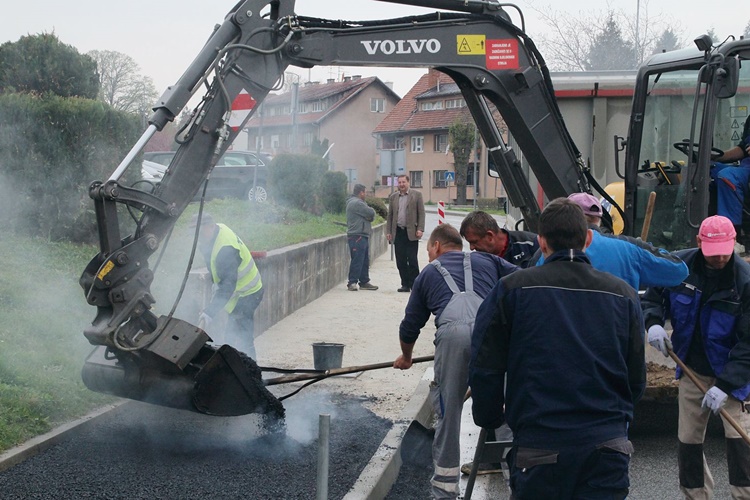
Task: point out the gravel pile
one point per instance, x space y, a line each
154 452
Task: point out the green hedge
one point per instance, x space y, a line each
51 149
296 181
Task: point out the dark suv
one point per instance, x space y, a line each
233 175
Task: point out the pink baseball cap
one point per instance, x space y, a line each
717 236
589 203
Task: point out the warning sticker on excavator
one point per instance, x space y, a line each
502 54
470 45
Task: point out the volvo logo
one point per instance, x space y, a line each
389 47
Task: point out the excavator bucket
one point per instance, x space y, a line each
180 370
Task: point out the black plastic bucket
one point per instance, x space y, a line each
327 355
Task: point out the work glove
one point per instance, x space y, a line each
714 399
204 319
659 339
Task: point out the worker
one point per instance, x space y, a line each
404 229
483 234
710 316
568 339
238 288
451 287
638 263
359 217
732 181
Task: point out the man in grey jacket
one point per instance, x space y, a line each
359 217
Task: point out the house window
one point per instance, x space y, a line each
431 105
317 106
440 178
399 143
377 105
416 179
307 138
441 143
417 144
470 174
275 142
454 103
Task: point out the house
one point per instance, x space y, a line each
342 112
413 140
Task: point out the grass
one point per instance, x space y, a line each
43 311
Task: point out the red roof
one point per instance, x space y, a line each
405 116
312 93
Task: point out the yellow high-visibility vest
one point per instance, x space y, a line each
248 276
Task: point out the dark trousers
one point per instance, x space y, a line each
240 332
406 257
359 267
586 471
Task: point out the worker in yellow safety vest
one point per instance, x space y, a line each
238 288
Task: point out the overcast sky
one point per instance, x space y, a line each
163 36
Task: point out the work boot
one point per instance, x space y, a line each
404 289
352 287
367 286
485 468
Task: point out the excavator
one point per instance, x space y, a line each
167 361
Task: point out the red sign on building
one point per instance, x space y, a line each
502 54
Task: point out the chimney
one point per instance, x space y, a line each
356 77
347 78
433 79
330 80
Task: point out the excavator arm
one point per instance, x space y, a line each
165 360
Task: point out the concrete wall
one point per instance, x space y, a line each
295 276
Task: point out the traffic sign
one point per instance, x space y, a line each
450 176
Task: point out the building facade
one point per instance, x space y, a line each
337 117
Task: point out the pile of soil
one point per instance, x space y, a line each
660 381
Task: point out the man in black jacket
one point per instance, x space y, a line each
483 234
569 341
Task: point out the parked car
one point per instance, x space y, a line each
232 176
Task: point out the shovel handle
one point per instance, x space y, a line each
338 371
703 389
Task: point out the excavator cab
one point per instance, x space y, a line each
688 108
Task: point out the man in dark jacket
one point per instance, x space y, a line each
359 217
569 340
710 317
451 288
483 234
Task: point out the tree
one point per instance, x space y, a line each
746 33
569 41
121 84
666 42
610 50
42 64
461 136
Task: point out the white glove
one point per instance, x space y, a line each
204 319
714 399
659 339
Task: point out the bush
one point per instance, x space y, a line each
333 192
378 205
51 149
295 180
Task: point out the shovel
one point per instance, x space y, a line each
727 417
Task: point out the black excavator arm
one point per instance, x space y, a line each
165 360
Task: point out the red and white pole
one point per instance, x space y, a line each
441 212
